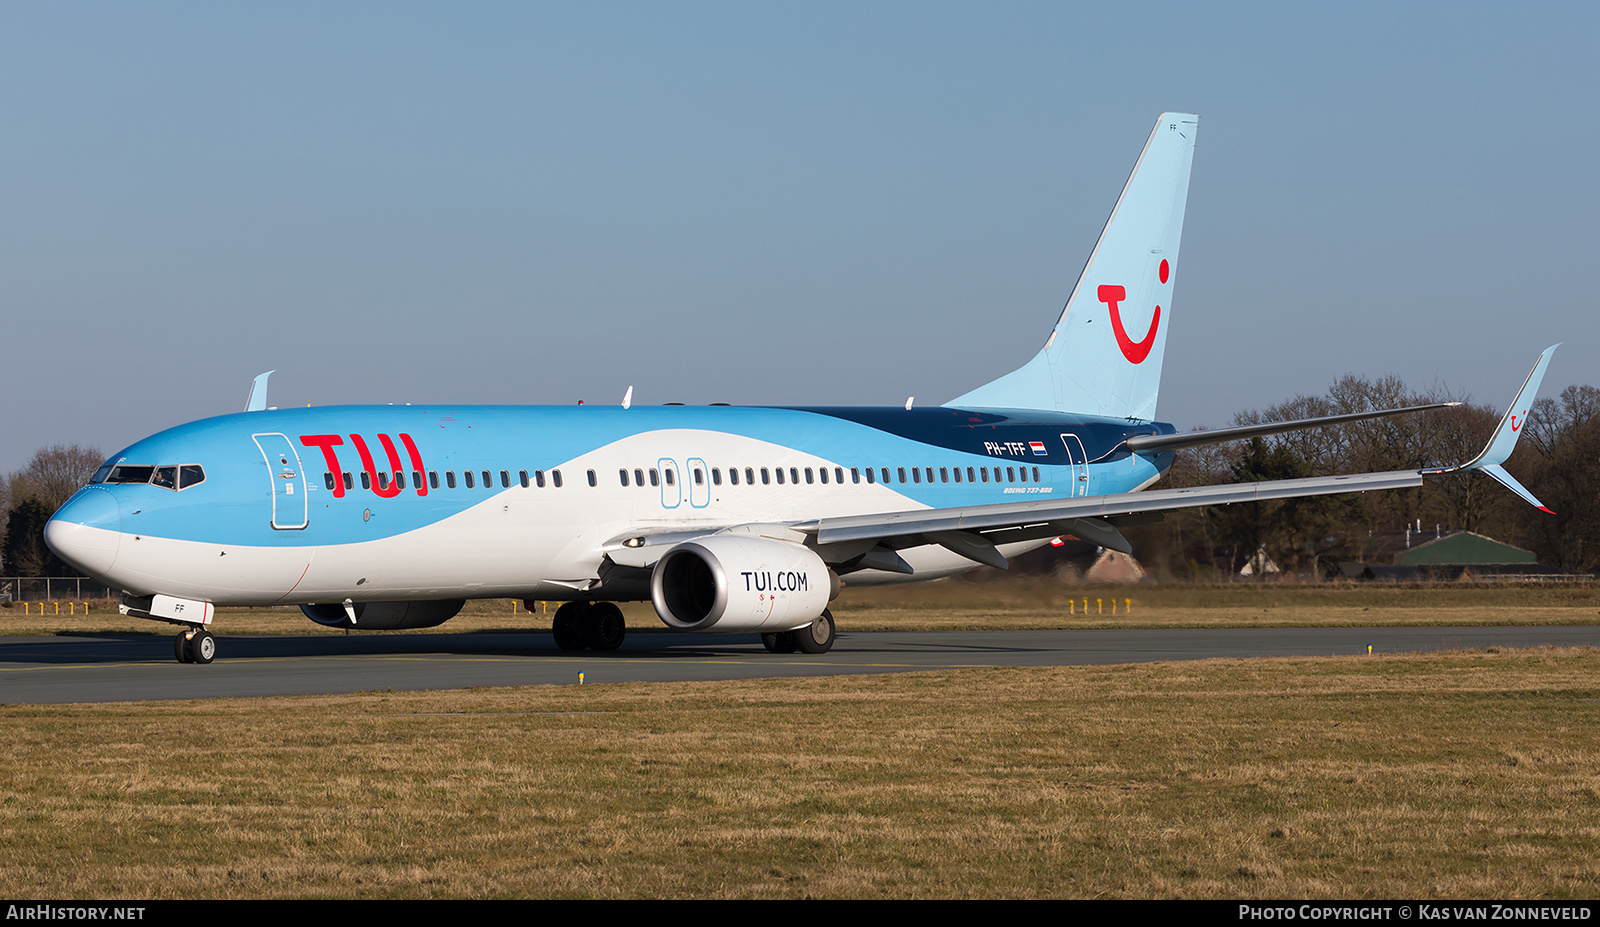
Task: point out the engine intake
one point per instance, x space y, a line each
740 583
385 616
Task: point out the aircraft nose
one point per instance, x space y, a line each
87 531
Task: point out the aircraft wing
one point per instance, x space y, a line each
1087 516
975 531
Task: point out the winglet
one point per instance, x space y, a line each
1507 432
1510 482
257 401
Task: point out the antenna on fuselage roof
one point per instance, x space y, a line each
627 398
257 400
909 401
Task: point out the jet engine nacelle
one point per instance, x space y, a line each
740 583
385 616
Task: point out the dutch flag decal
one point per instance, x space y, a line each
1038 449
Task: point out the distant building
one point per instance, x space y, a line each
1405 556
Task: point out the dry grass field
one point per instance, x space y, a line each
1455 775
1024 602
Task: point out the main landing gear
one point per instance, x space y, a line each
818 638
591 625
196 645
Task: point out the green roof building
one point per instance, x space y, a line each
1463 548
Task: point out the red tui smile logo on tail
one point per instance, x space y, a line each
1134 351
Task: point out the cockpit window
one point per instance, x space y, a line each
176 477
100 474
127 474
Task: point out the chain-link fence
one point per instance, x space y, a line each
53 588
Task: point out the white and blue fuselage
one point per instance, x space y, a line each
374 503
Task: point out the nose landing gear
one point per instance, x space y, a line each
195 646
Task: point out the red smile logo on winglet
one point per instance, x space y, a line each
1134 351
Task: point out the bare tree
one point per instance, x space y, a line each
54 474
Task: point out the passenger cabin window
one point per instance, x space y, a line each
327 481
794 476
622 476
655 477
538 478
902 473
349 482
766 477
416 479
555 478
487 482
808 476
822 472
433 479
450 478
671 479
468 475
638 476
522 476
505 480
716 477
749 476
593 480
870 477
383 480
733 476
780 475
366 480
699 478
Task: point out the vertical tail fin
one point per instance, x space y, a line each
1104 356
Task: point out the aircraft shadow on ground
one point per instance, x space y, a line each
139 648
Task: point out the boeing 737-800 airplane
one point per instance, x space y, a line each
726 518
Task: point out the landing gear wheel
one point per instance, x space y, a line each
203 647
781 642
567 627
604 627
180 648
819 637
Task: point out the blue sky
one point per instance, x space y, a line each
767 203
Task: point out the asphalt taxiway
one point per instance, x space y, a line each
114 668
